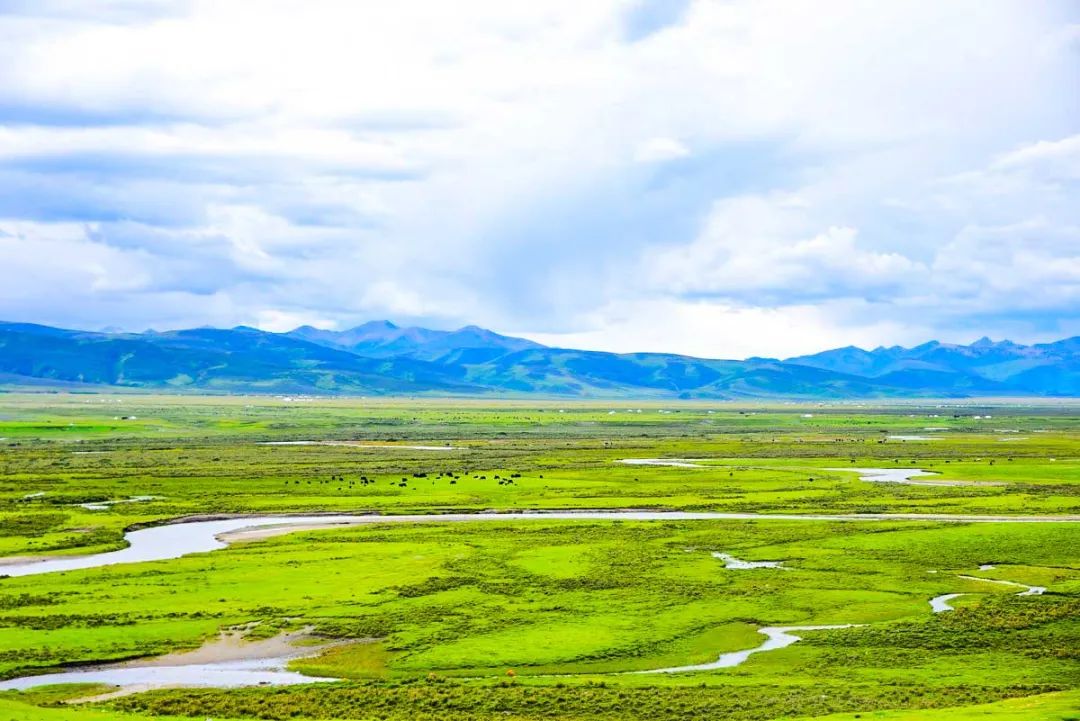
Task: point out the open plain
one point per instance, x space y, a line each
754 561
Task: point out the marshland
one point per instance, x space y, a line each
374 558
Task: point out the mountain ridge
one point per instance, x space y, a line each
382 358
1040 368
382 339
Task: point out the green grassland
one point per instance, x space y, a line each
1058 706
434 615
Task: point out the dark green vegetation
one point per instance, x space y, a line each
432 701
436 614
380 358
402 702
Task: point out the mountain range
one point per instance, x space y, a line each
380 358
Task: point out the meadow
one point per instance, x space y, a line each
550 619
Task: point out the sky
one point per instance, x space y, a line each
722 178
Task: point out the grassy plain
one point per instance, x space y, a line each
439 612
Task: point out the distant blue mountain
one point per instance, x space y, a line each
382 358
239 359
982 367
383 339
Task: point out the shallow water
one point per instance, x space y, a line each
174 540
1028 590
104 505
940 604
737 564
157 543
672 462
358 444
776 637
903 476
267 671
178 539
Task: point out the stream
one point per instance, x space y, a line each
776 637
904 476
224 674
173 540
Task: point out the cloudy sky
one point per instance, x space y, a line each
717 177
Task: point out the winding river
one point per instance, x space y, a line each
274 670
776 637
181 538
940 604
673 462
361 445
903 476
173 540
225 674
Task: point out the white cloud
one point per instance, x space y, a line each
769 246
1007 253
717 330
507 164
659 150
54 260
1028 266
278 321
